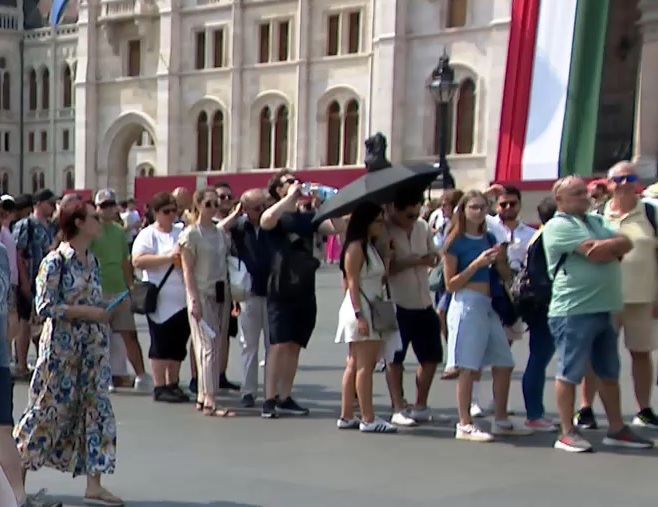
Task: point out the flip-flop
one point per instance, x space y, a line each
218 412
103 499
199 406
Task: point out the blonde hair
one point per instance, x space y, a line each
457 225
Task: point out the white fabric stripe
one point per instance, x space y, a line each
548 94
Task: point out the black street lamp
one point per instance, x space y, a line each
443 88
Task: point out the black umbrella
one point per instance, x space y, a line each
380 183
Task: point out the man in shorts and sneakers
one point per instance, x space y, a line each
11 471
34 237
111 250
413 254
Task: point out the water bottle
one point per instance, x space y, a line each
324 192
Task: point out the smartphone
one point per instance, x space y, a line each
116 301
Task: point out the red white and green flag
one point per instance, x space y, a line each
552 87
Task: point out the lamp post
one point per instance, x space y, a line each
443 87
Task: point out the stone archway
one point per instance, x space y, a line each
122 135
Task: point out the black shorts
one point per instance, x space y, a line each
24 305
292 323
421 329
6 397
169 338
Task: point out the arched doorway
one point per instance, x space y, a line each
128 131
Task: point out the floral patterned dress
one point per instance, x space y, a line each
69 423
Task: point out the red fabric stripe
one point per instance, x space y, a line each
516 93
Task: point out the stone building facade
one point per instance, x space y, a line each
172 87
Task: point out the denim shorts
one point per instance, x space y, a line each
6 382
476 337
584 339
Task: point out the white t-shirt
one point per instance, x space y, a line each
518 239
171 298
130 219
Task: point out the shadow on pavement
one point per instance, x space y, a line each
78 502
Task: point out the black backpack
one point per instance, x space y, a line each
532 287
293 268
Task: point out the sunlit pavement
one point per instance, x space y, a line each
170 455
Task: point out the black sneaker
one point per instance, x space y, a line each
269 409
291 407
646 418
585 419
248 401
165 395
626 437
225 383
175 388
572 442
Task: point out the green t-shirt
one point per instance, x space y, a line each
111 250
580 286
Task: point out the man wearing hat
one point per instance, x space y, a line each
111 251
34 237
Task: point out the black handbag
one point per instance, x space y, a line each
144 295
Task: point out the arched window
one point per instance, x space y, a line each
35 183
333 133
142 172
5 183
151 171
202 142
281 137
6 91
69 180
465 117
351 133
32 90
42 180
45 90
265 139
457 13
217 142
67 87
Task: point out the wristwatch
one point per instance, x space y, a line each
358 314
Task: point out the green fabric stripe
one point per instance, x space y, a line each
583 92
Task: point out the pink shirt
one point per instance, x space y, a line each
7 240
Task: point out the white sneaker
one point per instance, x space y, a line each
510 429
402 419
262 363
143 383
348 424
476 410
377 426
472 433
423 415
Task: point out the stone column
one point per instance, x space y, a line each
298 124
237 134
645 149
87 167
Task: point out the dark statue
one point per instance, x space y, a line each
376 153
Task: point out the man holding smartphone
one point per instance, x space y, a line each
413 253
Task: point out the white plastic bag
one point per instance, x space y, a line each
239 278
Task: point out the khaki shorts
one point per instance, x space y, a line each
639 326
122 318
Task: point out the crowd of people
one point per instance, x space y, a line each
446 277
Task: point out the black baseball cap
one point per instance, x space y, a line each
44 195
24 201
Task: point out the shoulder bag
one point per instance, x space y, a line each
144 295
382 313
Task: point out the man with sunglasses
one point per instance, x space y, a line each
639 276
249 246
111 251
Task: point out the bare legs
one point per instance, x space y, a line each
358 377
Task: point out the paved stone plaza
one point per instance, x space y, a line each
170 456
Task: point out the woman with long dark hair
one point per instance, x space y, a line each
364 271
476 337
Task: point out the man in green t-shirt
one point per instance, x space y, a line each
583 250
111 250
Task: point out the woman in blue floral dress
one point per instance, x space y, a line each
69 424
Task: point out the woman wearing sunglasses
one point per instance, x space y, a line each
204 249
157 254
